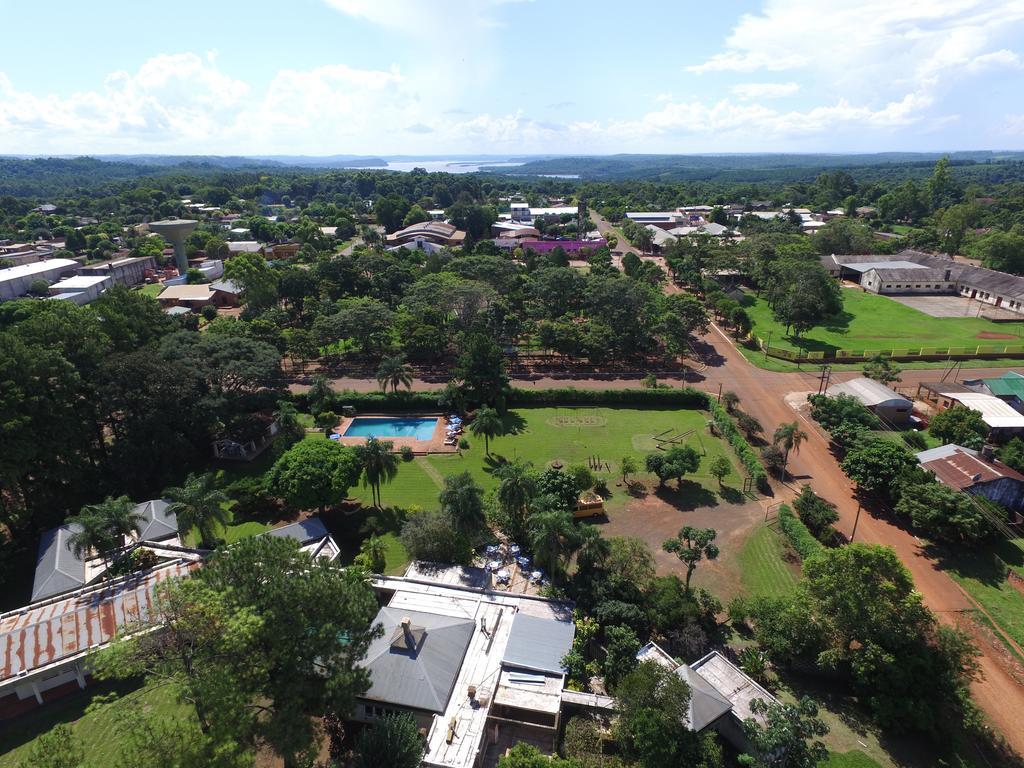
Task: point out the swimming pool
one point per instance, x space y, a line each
420 429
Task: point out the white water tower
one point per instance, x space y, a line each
175 231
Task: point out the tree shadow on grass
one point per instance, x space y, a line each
512 423
689 497
986 567
838 323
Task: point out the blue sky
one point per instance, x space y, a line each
510 76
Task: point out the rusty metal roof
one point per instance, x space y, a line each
46 633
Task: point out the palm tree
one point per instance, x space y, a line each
92 537
553 538
394 371
789 437
463 501
120 515
373 554
199 504
287 416
379 465
487 423
517 487
593 548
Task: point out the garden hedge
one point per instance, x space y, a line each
738 442
797 533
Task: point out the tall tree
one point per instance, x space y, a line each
314 474
252 640
199 504
789 737
517 488
394 372
379 465
393 741
789 437
487 423
691 545
553 539
481 370
462 499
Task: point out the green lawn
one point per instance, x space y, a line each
983 576
872 322
541 436
152 289
854 759
764 571
568 435
96 727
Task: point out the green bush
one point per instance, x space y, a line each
728 429
682 398
406 453
797 533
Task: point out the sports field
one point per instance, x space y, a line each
872 322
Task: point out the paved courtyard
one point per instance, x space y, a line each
953 306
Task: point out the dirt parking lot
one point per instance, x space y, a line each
655 517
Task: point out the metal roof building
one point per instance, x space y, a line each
538 643
886 403
42 645
16 281
965 470
868 391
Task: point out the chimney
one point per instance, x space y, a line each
948 273
410 641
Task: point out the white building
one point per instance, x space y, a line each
16 281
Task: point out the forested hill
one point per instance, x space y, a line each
778 168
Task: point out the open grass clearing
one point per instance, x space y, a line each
96 728
983 576
767 569
872 322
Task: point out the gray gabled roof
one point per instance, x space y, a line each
421 677
305 531
706 703
157 523
538 644
57 568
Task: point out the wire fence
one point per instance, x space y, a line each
902 354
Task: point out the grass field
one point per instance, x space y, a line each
541 435
568 435
853 759
95 727
982 575
152 289
765 572
872 322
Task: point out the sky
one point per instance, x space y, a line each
510 77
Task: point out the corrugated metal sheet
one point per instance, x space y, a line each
48 632
868 391
538 644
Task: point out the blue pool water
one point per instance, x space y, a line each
421 429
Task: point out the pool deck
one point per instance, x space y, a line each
434 445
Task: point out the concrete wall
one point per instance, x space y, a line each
872 282
987 297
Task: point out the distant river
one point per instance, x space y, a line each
445 166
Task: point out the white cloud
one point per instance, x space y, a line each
764 90
417 17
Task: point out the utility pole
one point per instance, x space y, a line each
856 520
767 344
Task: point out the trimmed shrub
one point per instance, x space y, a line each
728 429
682 398
797 533
406 453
